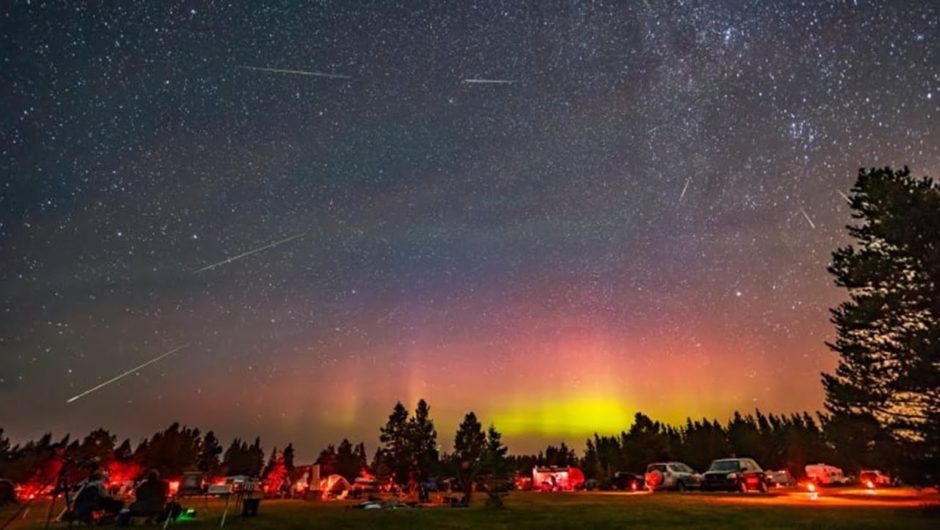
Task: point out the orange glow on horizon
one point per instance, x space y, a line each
560 382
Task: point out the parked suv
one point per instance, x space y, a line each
734 474
671 475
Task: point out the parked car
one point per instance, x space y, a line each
671 475
734 474
872 478
624 480
825 475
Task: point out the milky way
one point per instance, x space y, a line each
552 213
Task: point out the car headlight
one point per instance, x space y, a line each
732 476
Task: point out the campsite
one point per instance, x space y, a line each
543 511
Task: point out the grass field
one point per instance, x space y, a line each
578 510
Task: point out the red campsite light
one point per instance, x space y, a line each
121 472
29 491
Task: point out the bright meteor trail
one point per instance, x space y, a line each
125 374
808 220
489 81
249 253
296 72
685 188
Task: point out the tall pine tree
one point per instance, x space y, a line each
469 446
396 451
888 331
493 466
423 441
208 460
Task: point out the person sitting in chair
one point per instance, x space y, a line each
94 497
150 497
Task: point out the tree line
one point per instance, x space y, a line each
171 451
409 453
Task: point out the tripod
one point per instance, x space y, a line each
61 484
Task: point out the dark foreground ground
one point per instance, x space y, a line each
846 509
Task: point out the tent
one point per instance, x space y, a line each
334 486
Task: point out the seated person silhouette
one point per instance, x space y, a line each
7 492
151 497
94 498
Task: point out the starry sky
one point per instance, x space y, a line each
552 213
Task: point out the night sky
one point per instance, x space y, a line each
634 213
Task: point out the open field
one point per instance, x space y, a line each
848 509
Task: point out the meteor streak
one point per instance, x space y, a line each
844 196
125 374
685 189
474 81
808 220
246 254
296 72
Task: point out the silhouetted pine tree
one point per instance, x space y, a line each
888 332
469 445
396 450
422 438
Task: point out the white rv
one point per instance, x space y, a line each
825 475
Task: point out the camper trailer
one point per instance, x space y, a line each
556 478
825 475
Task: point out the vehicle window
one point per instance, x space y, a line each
724 465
